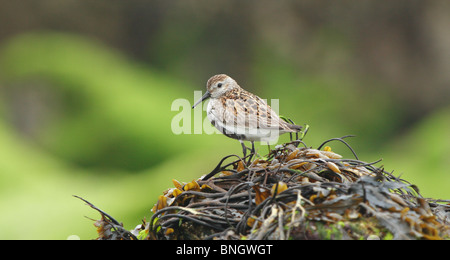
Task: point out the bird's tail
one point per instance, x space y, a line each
291 127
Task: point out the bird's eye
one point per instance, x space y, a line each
219 85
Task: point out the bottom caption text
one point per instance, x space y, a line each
205 251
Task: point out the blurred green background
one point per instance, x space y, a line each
86 89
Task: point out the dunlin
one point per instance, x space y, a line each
240 114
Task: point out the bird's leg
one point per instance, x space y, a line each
252 152
244 148
297 141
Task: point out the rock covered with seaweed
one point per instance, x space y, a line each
291 193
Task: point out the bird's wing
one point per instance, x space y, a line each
250 113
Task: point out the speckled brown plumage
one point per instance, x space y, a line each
240 114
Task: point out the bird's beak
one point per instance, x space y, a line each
206 96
